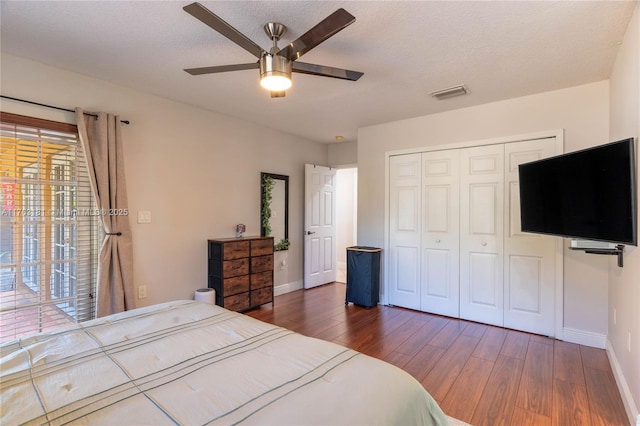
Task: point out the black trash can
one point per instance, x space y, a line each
363 275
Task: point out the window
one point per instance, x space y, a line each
48 228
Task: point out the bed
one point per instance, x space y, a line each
192 363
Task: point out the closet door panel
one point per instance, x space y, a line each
481 234
435 271
525 284
404 230
406 276
530 258
440 286
482 275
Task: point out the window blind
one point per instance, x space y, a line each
48 228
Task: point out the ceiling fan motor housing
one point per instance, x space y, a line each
276 67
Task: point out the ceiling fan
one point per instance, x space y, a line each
277 64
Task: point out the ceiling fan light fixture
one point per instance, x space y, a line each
275 73
275 83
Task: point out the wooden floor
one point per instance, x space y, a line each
480 374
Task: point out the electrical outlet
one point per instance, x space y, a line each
142 291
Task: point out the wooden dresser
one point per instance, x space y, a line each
241 271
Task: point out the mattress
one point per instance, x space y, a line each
191 363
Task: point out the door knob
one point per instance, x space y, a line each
484 244
437 241
310 232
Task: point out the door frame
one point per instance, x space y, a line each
558 134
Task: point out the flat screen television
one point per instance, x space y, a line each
588 194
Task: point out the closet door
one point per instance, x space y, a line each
439 293
529 268
404 231
481 234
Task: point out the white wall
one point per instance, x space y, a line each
624 283
197 171
342 154
346 211
583 113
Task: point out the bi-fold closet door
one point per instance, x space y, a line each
424 232
455 245
440 236
482 234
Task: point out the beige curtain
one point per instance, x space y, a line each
102 142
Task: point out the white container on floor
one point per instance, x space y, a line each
207 295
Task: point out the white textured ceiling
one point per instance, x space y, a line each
499 49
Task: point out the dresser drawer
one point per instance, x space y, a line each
234 268
262 247
261 264
235 285
261 279
236 250
237 302
261 296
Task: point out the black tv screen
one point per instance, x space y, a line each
588 194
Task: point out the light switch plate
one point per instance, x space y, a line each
144 216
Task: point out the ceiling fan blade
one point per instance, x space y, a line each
329 26
222 68
203 14
325 71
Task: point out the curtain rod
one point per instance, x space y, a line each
53 107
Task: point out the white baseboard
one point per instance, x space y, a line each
586 338
623 387
287 288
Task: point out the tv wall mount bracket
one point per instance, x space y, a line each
617 251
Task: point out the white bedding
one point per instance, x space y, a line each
191 363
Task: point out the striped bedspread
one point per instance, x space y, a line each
191 363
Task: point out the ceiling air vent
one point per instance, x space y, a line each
450 92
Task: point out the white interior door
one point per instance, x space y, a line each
529 268
320 228
403 274
481 234
439 293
